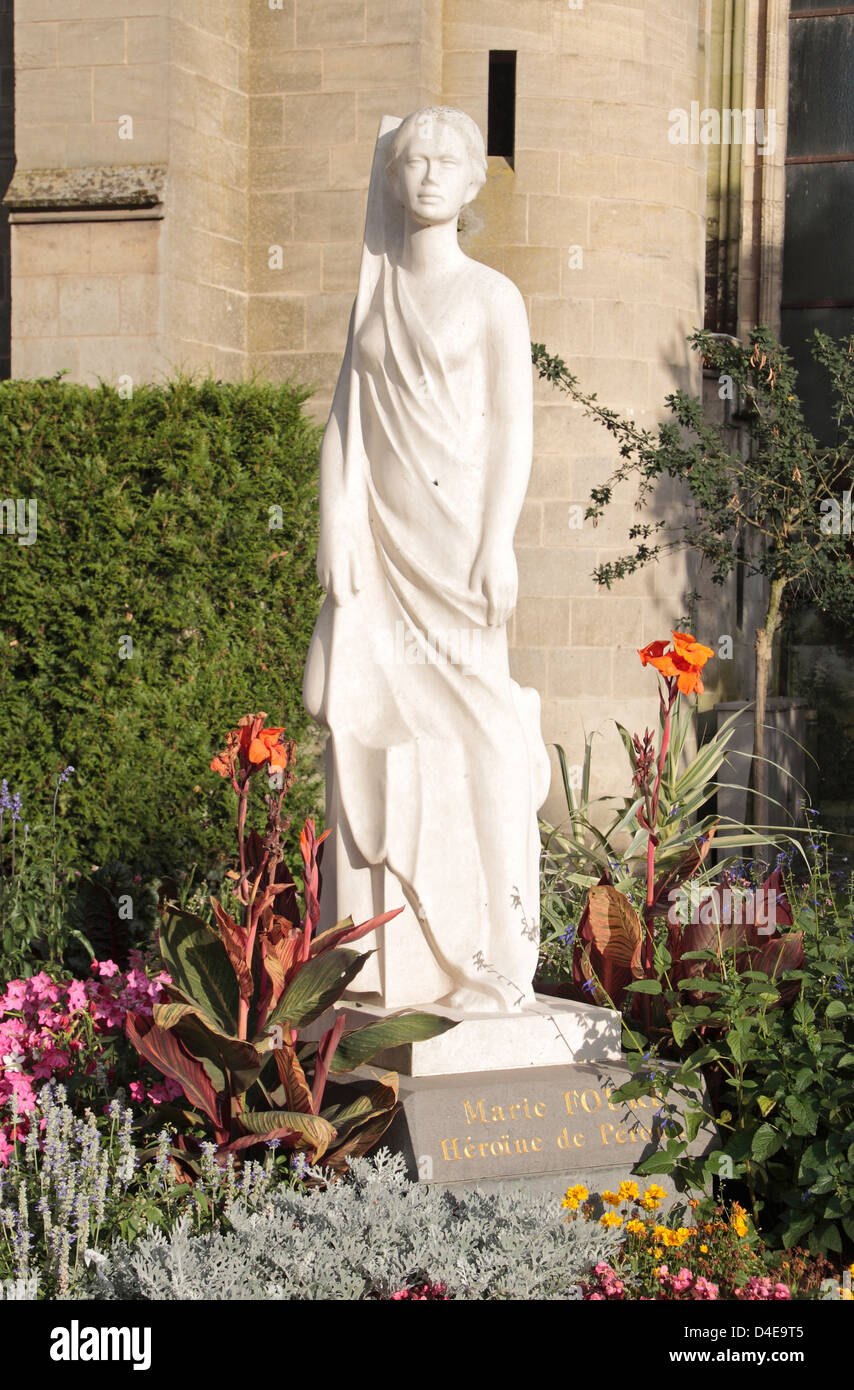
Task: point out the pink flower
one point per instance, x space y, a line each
164 1090
137 1091
77 997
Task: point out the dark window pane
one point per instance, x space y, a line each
818 260
796 329
821 86
501 131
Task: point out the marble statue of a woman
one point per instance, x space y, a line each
435 762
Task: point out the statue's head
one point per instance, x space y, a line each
436 163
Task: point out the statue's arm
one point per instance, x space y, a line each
509 462
337 561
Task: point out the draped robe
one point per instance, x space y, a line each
435 761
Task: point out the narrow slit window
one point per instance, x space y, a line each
501 126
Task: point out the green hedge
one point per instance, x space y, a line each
154 523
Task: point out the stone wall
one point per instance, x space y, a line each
320 77
220 231
92 109
601 225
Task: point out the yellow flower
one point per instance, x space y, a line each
661 1233
575 1196
628 1191
653 1197
612 1198
704 1249
657 1253
637 1228
738 1221
610 1219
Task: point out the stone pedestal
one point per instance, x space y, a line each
558 1033
517 1098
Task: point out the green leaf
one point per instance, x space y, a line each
378 1100
802 1113
644 987
836 1009
766 1104
319 1133
656 1163
197 961
766 1141
236 1062
681 1028
827 1237
693 1121
796 1228
739 1046
319 983
360 1045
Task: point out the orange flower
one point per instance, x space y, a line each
691 651
267 744
253 744
689 682
684 663
654 655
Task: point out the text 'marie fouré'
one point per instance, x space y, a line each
575 1103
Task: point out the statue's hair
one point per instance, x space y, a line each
446 115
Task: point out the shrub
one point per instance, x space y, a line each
163 590
368 1235
779 1076
77 1183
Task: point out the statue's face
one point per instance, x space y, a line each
434 174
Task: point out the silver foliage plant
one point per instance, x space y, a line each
368 1235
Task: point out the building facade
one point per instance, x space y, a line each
189 194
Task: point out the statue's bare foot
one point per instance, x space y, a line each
473 1001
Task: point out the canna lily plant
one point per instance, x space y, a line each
242 990
614 947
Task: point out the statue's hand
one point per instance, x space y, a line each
338 567
494 574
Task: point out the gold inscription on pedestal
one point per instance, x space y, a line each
582 1103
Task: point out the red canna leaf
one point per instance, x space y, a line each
346 931
293 1078
234 940
246 1141
325 1053
166 1052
